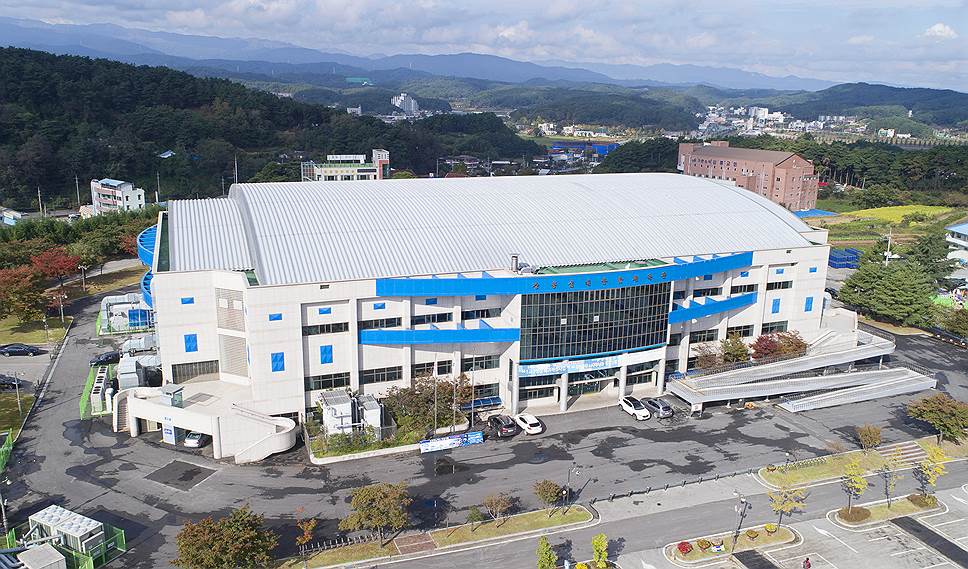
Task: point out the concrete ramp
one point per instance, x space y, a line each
910 382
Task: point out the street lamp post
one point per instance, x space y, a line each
566 493
3 507
741 508
83 269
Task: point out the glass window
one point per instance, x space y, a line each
775 309
334 328
741 331
779 285
188 300
480 313
808 304
380 323
742 289
701 292
474 363
381 375
427 369
327 381
326 354
771 327
486 390
678 295
275 316
675 339
431 318
563 324
700 336
779 271
278 360
191 342
326 310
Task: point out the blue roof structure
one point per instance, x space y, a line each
110 182
959 228
814 213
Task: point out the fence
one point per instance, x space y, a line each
5 449
113 546
685 482
84 404
325 545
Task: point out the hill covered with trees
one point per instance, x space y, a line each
67 116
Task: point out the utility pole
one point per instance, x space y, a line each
157 187
20 407
77 188
236 168
40 203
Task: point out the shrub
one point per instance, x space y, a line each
923 500
869 436
704 544
684 547
856 514
581 566
752 534
770 528
717 542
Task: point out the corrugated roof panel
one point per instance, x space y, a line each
329 231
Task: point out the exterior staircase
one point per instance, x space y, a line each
911 452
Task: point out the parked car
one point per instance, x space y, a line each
502 426
529 423
8 350
660 408
635 408
8 382
106 358
197 440
831 291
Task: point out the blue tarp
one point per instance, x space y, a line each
814 213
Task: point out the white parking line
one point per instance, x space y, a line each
937 565
947 522
800 556
961 538
906 551
879 538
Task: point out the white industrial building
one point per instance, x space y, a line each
348 167
547 292
109 195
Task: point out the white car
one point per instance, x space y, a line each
635 408
197 440
529 423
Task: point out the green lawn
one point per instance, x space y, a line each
831 468
743 543
100 284
10 417
835 205
11 331
347 554
900 506
515 524
894 214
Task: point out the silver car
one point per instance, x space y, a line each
659 408
197 440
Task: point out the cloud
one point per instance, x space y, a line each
701 41
860 40
941 31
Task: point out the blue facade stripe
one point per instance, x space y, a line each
592 356
451 336
560 283
146 245
710 307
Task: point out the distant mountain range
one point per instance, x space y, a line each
148 47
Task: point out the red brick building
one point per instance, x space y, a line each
781 177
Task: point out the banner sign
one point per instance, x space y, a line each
575 366
452 441
167 431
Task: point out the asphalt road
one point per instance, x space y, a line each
85 466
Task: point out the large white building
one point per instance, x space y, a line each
109 195
543 290
405 103
347 167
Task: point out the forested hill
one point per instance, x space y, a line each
62 116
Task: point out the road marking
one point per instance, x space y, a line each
879 538
828 534
960 499
937 565
948 522
906 551
961 538
800 556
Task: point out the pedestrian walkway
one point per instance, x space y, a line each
911 452
677 497
415 543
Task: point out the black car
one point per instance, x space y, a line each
7 382
106 358
8 350
831 291
503 426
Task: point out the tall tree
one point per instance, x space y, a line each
852 481
56 263
946 414
891 473
239 540
900 292
931 468
548 492
600 551
497 505
378 507
931 253
21 294
786 500
547 558
734 350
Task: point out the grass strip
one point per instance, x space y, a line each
520 523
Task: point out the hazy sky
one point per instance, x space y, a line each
921 42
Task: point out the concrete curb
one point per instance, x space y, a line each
832 515
716 560
472 545
360 455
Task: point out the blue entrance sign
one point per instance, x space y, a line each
452 441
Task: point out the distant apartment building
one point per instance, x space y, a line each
110 195
347 167
405 103
782 177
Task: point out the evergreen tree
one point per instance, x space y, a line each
547 558
931 252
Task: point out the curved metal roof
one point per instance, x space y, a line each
301 232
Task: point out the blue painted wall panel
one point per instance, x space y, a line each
711 307
454 336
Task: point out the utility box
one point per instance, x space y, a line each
173 393
76 532
43 556
371 414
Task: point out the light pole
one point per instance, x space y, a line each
83 269
741 508
16 384
3 507
566 493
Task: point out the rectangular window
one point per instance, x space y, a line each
675 339
779 271
700 336
779 285
479 313
487 390
188 300
678 295
431 318
430 301
808 304
474 363
381 375
771 327
775 308
813 269
275 316
379 305
191 342
333 328
326 310
326 354
701 292
380 323
480 297
744 273
426 369
180 373
327 381
741 331
278 360
742 289
707 277
672 366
